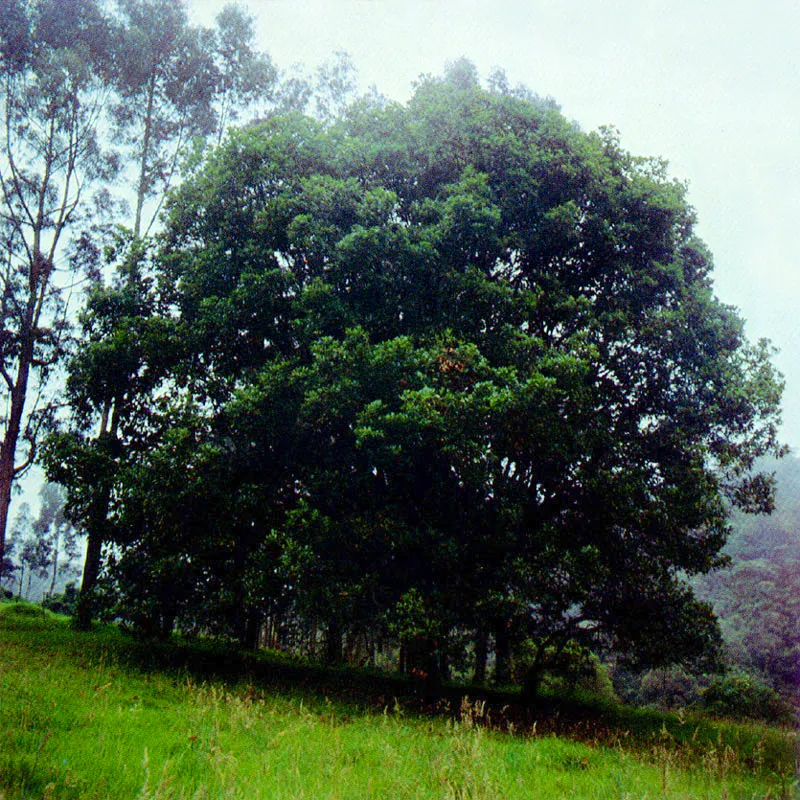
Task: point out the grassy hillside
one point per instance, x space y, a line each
101 716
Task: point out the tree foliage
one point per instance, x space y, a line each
456 351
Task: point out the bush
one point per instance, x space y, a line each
742 696
669 688
63 603
573 668
22 608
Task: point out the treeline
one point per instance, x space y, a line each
446 379
43 552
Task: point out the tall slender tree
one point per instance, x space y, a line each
247 80
54 169
165 77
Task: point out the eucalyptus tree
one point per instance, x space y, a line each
165 79
246 80
54 171
52 525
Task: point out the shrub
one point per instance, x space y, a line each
743 696
573 668
64 603
669 688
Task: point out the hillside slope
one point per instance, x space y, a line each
79 719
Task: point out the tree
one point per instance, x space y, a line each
123 350
53 62
46 545
35 550
756 599
176 82
458 353
52 527
247 79
175 85
165 76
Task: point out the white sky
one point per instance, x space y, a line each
712 86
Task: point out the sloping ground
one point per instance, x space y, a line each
102 716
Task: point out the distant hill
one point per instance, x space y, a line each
758 597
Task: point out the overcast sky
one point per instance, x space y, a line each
713 87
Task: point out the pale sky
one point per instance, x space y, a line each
713 87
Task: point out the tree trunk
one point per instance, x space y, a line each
55 563
8 447
532 682
96 529
502 655
84 610
481 653
333 641
141 189
252 628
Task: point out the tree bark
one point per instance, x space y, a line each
55 563
333 641
252 629
141 189
8 448
502 655
481 653
84 609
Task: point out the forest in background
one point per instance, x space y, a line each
757 597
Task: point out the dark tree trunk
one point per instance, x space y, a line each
8 447
502 655
252 629
531 683
333 642
84 609
97 523
481 652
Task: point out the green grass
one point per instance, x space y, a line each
102 716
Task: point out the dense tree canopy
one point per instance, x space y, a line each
455 362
